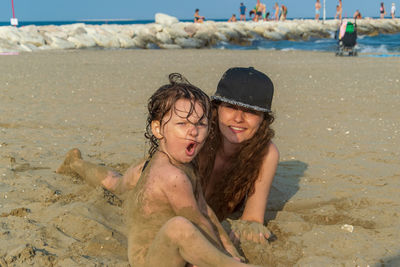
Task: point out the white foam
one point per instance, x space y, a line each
372 49
289 49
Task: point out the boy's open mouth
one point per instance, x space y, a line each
190 149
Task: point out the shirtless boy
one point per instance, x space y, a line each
276 7
317 9
169 222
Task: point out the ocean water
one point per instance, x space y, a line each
383 44
380 44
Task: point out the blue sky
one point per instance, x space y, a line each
28 10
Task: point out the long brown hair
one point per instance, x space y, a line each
237 181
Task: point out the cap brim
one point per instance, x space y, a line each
236 103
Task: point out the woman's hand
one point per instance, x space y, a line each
250 231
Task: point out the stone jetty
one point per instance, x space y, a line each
168 33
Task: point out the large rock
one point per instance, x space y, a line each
82 41
178 30
163 38
12 34
7 46
103 38
125 41
165 19
30 35
58 43
189 42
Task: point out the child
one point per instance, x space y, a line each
169 222
233 18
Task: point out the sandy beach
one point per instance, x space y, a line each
335 199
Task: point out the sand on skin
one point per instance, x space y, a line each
337 129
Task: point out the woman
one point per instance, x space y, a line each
382 10
237 163
197 17
239 160
283 13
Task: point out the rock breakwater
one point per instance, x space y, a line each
168 33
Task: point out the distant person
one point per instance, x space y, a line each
393 10
263 11
283 13
276 7
242 10
258 9
252 13
317 9
382 10
233 18
337 12
197 17
267 16
357 15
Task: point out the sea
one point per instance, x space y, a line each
382 44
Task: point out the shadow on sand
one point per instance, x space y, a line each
285 185
388 262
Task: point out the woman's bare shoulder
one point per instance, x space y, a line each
272 154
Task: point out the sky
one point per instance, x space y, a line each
56 10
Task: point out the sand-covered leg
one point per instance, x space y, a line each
71 156
92 173
179 241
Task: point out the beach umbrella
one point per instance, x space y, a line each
13 20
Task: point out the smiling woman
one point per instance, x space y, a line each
239 160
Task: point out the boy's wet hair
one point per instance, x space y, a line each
164 99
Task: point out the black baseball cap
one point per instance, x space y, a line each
245 87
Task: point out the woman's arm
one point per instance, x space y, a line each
256 204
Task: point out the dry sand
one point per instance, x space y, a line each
335 200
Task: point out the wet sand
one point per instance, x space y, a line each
335 199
